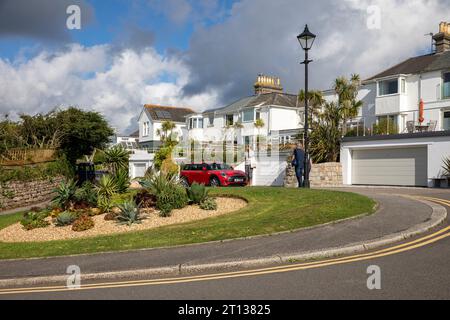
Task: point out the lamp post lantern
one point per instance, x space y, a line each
306 39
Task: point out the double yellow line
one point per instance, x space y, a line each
421 242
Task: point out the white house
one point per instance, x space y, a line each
282 117
151 119
415 96
128 141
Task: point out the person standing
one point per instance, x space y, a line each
299 163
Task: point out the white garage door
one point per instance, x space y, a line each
139 170
392 167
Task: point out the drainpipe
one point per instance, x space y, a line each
419 93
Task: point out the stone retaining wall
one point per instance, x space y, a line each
17 194
322 175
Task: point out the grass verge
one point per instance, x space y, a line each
269 210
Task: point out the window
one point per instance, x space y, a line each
403 82
446 122
387 87
248 115
229 120
258 115
446 86
211 120
145 129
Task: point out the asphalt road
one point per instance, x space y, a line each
417 270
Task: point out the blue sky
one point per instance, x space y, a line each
200 54
111 17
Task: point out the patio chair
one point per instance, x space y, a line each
410 126
432 126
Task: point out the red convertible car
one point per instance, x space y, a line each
212 174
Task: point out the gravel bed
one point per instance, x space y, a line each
16 233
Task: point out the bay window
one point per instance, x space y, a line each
388 87
446 86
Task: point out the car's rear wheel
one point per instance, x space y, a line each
214 182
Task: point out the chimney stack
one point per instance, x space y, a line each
442 38
267 84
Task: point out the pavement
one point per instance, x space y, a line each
395 216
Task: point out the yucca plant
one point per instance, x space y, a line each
122 180
129 213
65 218
116 158
446 166
65 194
197 193
107 186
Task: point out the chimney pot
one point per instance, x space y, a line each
442 38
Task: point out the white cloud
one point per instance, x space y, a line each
116 84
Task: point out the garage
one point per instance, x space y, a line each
390 166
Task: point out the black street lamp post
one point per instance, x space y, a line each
306 39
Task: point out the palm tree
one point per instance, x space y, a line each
326 136
347 92
166 132
315 99
259 124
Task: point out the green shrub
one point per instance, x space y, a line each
104 204
87 194
197 193
129 213
65 194
65 218
162 154
208 204
44 171
34 220
83 223
169 192
168 200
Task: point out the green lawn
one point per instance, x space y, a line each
270 210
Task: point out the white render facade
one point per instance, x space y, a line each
236 122
151 119
396 94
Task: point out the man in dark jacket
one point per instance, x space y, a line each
299 163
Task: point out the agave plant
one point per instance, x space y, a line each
129 213
65 218
65 194
87 194
159 182
116 158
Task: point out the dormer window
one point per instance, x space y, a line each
388 87
446 86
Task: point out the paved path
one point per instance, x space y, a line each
396 214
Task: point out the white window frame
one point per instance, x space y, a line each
379 95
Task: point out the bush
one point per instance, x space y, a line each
65 195
144 199
162 154
87 194
446 166
34 220
104 204
65 218
45 171
169 167
197 193
169 192
129 213
171 199
209 204
83 223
